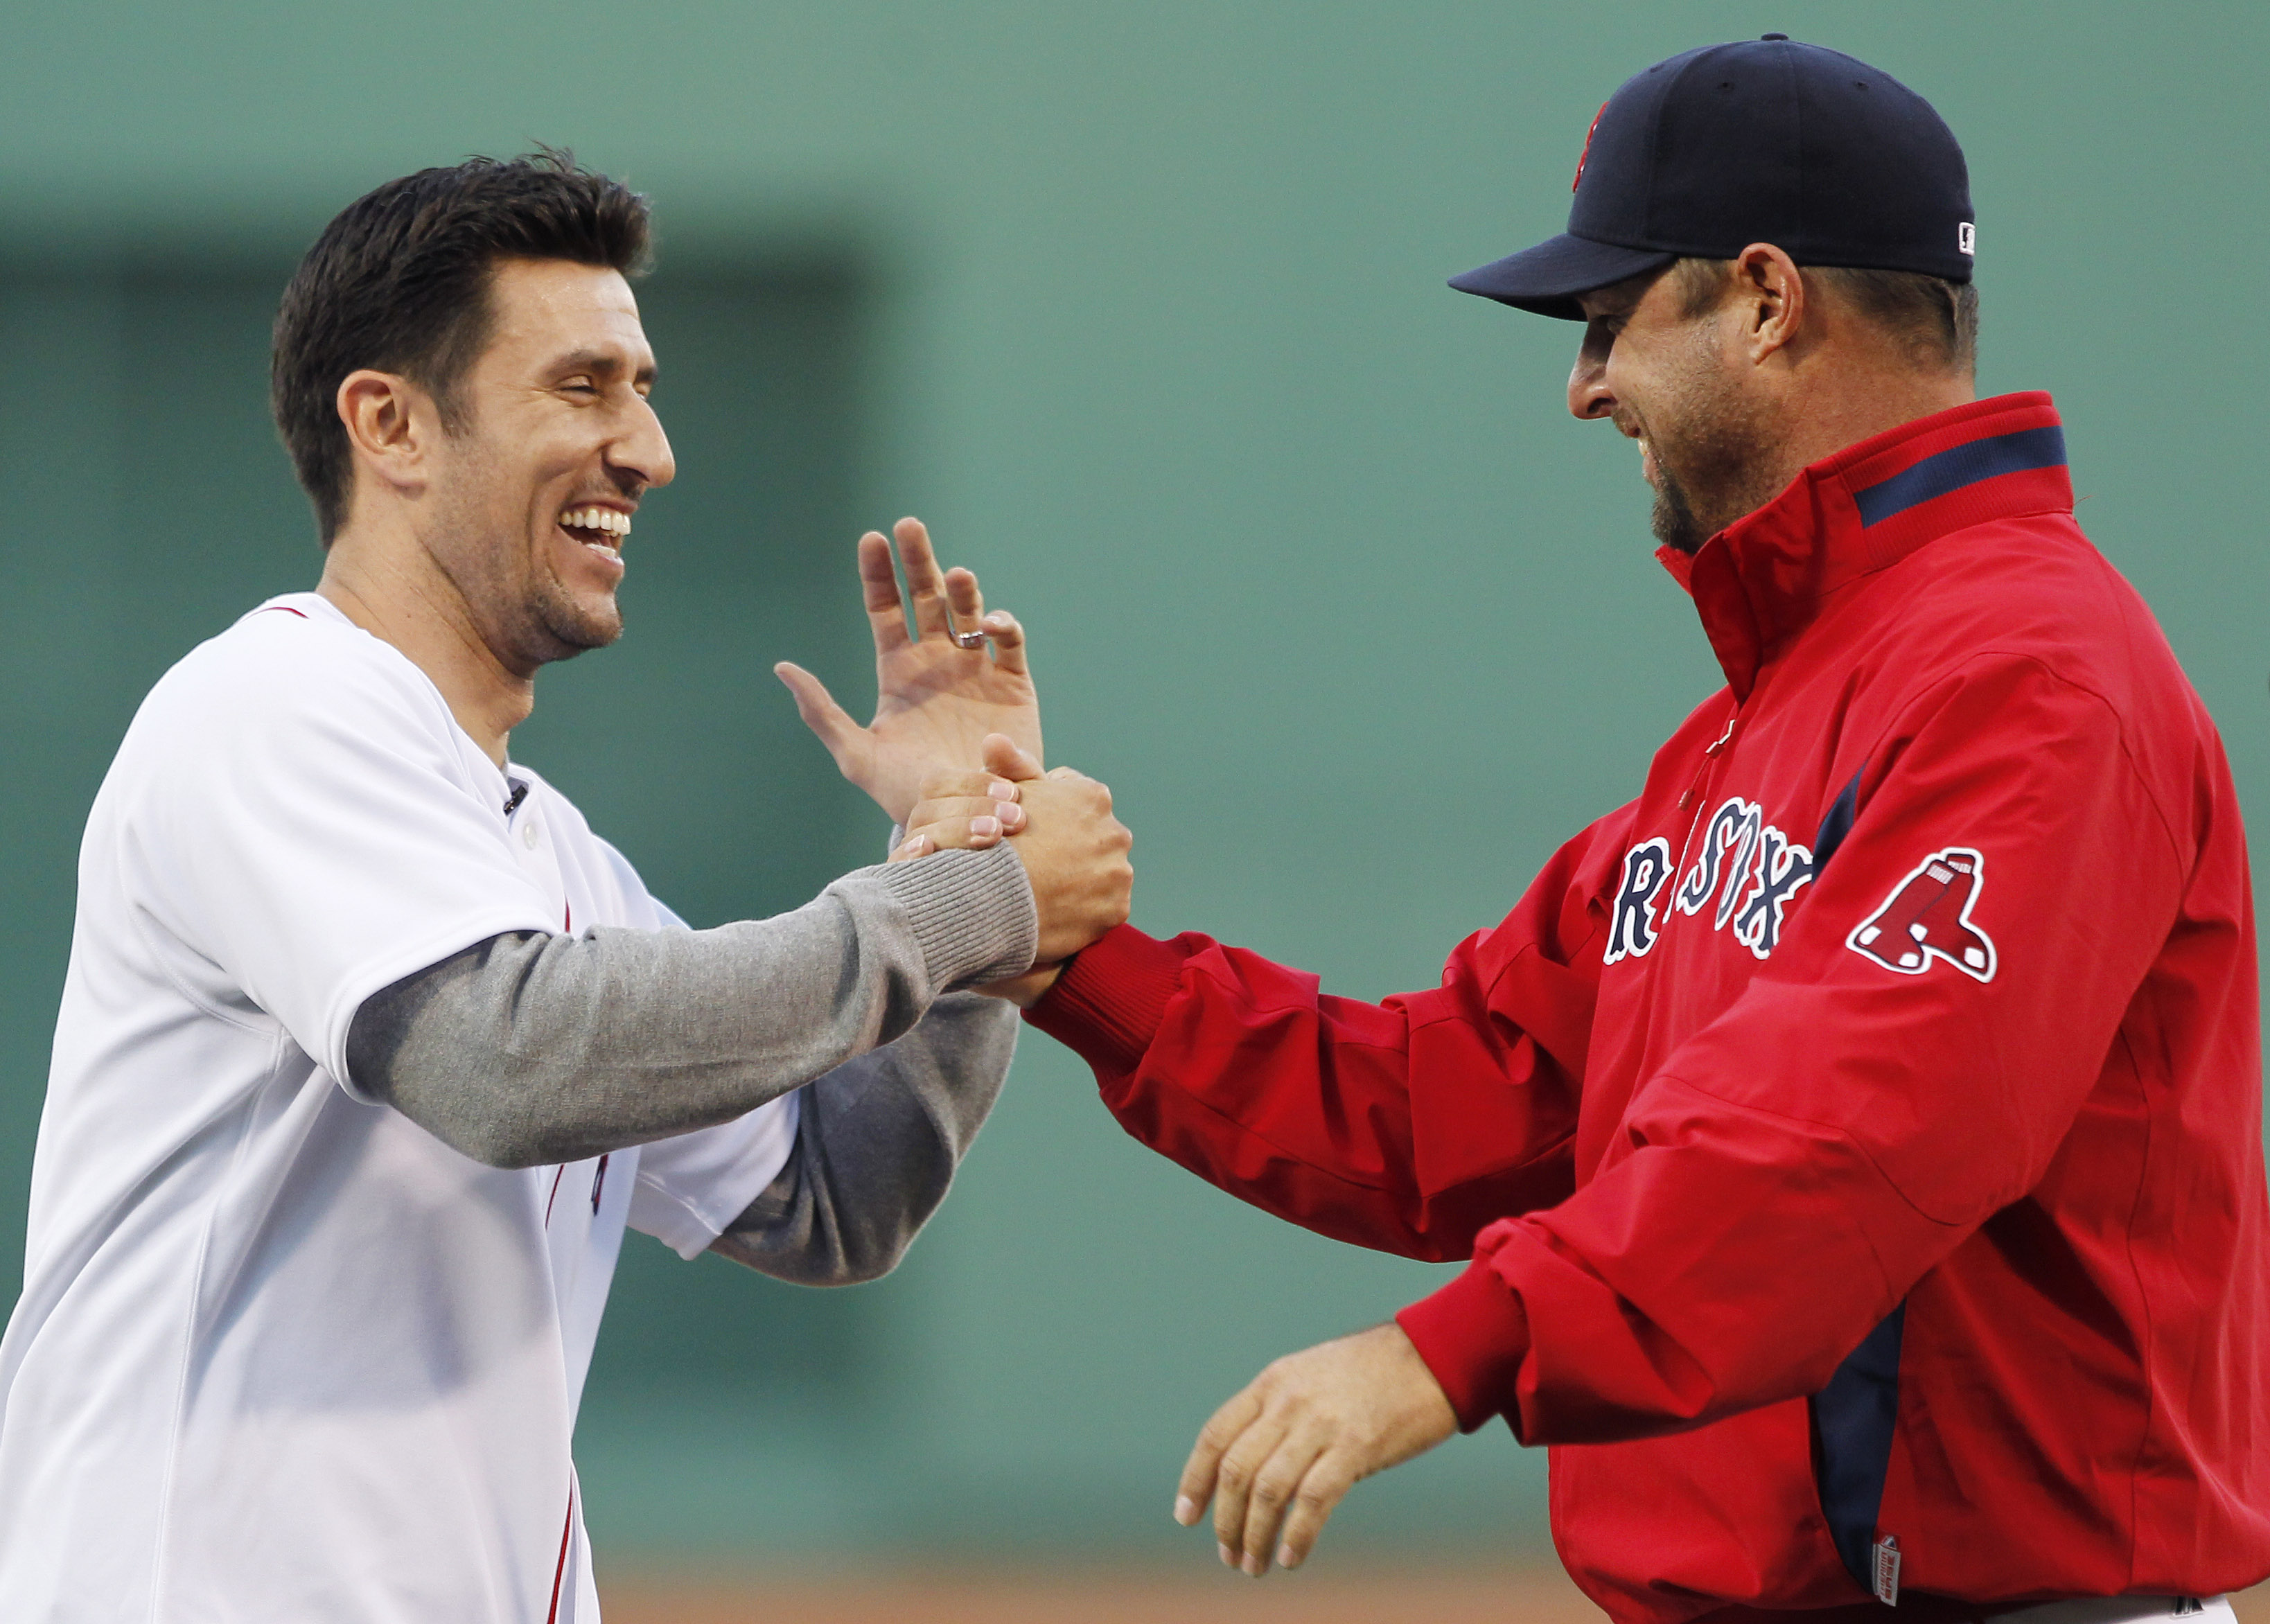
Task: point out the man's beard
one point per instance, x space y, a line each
526 615
1712 458
1673 519
549 615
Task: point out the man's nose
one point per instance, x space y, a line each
644 451
1588 395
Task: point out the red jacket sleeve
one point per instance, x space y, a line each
1405 1125
1780 1182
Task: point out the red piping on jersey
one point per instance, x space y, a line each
559 1568
555 1196
281 608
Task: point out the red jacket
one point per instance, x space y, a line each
1858 1136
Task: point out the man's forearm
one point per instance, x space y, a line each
1405 1125
528 1049
878 1141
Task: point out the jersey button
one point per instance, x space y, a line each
528 835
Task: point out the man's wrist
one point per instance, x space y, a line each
971 912
1473 1335
1025 991
1107 1003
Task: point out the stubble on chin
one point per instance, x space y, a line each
520 609
1711 469
1712 447
564 625
527 615
1672 517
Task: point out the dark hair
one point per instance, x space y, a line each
399 281
1937 320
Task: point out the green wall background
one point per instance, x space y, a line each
1142 307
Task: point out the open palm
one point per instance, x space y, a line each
936 701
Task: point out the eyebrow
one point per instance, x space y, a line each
604 361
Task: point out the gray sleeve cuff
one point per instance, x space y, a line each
972 912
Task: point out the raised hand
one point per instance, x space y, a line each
935 701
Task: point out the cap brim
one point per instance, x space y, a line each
1546 279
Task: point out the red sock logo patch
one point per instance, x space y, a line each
1927 916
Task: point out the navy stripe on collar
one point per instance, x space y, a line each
1960 465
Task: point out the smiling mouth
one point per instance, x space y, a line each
603 529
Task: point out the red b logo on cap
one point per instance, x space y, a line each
1587 152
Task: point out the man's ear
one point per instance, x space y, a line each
391 425
1771 294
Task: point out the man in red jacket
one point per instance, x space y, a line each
1857 1137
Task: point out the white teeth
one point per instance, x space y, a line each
606 520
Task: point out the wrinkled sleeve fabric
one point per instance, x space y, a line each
328 840
1783 1181
830 1183
532 1049
1405 1125
876 1143
693 1186
690 1186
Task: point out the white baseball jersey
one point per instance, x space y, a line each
281 1353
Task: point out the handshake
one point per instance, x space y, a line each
1074 850
953 754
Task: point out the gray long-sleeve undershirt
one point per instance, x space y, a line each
528 1049
876 1143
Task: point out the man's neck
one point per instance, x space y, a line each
397 594
1823 422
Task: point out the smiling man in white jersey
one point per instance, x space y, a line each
370 1050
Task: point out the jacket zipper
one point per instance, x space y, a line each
1697 796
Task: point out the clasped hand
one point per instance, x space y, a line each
1074 850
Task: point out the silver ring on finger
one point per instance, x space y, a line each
967 640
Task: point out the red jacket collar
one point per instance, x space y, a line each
1761 581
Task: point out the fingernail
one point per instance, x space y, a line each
1284 1557
1012 816
1228 1558
1002 790
984 826
1256 1566
1186 1510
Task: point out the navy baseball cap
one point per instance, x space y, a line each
1762 141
